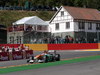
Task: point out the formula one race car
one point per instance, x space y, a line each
46 56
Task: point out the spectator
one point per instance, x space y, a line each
13 49
3 49
7 49
34 41
76 40
95 40
70 39
66 39
26 47
0 47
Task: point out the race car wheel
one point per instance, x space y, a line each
28 61
57 57
52 58
45 59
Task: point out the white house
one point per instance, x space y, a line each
83 24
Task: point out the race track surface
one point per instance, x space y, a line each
64 55
81 68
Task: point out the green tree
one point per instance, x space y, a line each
53 3
78 2
4 2
93 3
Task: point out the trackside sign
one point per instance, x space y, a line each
4 56
17 55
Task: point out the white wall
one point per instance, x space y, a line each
62 22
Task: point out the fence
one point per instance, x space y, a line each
17 55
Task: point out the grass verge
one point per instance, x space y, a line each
36 66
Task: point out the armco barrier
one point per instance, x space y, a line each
37 47
73 46
11 45
41 47
4 56
98 45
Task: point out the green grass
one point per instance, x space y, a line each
7 17
43 65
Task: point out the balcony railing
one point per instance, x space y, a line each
28 28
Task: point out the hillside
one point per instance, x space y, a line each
7 17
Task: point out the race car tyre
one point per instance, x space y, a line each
57 57
52 58
45 59
28 61
31 61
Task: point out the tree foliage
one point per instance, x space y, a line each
53 3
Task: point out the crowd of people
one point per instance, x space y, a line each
56 40
60 40
52 40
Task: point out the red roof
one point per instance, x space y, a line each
83 13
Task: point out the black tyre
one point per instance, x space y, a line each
45 59
28 61
31 62
52 58
32 57
57 57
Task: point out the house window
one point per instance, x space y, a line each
39 27
81 25
67 25
62 13
44 27
18 39
11 39
89 26
98 26
57 26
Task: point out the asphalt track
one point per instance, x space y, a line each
64 55
80 68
